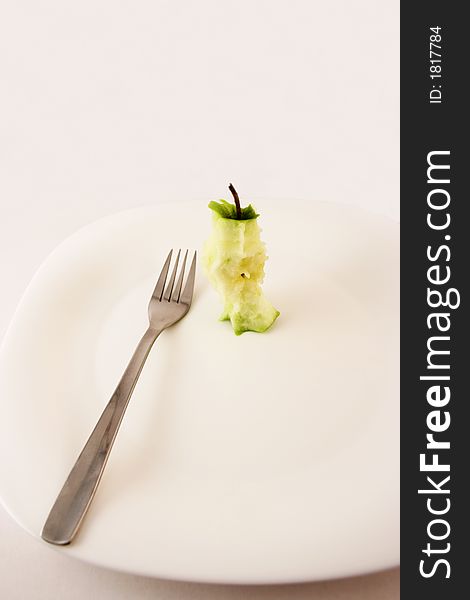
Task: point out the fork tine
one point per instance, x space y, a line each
169 287
157 293
177 290
187 294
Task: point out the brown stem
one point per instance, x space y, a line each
237 200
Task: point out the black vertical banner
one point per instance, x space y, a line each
435 332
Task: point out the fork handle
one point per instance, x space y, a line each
77 492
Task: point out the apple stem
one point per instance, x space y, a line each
237 200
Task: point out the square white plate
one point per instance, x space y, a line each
261 458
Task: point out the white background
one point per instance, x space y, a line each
108 105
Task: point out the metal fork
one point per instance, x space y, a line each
167 306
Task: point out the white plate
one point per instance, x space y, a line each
261 458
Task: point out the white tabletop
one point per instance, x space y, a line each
106 106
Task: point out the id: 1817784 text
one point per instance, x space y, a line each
435 64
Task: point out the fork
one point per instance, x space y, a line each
167 306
